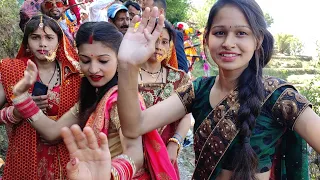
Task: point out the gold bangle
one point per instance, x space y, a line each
114 174
175 140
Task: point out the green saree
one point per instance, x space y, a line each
278 148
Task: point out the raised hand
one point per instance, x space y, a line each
88 160
29 78
139 44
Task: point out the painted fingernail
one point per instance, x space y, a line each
74 161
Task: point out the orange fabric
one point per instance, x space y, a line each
21 160
172 58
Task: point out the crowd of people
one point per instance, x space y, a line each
100 90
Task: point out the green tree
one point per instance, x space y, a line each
283 43
177 10
288 44
269 19
11 35
199 16
296 46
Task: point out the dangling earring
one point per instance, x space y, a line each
168 55
27 50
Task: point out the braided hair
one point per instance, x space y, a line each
249 85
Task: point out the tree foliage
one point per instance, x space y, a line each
11 35
269 19
177 10
288 44
200 15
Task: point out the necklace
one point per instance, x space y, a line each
152 74
56 68
160 72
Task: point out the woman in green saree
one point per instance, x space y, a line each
246 126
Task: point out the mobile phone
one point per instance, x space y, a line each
39 89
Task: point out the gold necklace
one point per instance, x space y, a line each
152 74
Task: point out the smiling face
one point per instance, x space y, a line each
162 47
42 42
98 63
231 41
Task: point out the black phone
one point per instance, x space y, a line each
39 89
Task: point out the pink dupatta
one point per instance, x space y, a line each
155 151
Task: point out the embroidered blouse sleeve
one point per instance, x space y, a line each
186 95
289 106
114 117
185 79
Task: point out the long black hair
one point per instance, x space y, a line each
108 35
33 24
250 85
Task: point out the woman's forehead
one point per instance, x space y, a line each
45 30
165 33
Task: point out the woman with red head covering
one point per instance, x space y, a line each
45 44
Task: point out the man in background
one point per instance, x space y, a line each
133 8
119 16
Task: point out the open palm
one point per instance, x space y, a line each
88 160
139 44
29 78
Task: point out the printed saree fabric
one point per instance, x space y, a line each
154 93
105 119
27 157
278 148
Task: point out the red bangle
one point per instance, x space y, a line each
123 168
25 106
6 115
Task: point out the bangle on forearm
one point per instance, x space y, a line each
26 106
175 140
114 174
123 167
12 118
179 137
7 116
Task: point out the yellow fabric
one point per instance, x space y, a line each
114 143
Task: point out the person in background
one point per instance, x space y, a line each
157 81
98 10
84 16
119 16
179 43
133 8
56 10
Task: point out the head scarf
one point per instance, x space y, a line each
21 160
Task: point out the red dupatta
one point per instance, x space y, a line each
155 151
